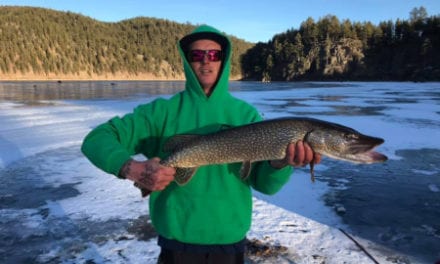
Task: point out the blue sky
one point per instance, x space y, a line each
251 20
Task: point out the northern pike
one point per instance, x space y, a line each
268 140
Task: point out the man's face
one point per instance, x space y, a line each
206 70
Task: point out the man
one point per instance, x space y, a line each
206 220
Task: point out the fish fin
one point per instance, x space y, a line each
178 140
184 175
312 171
245 169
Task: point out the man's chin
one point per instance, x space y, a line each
206 83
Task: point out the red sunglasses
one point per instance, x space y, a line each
199 55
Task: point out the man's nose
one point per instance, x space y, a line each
205 59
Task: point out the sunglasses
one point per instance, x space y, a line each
199 55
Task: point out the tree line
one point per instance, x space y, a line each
43 41
330 49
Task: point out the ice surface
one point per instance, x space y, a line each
40 148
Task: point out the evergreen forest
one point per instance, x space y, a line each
45 42
330 49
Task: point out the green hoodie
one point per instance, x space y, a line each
215 207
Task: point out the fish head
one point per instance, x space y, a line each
345 143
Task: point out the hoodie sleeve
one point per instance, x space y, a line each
103 147
268 180
111 144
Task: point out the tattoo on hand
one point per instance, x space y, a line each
125 170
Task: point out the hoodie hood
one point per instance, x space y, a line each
192 84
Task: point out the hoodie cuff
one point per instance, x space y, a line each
116 161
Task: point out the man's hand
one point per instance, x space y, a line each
298 154
149 175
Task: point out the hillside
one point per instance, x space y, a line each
42 44
39 43
330 49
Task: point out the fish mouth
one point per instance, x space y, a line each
362 151
368 157
364 144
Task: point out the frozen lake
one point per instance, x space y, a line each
55 207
